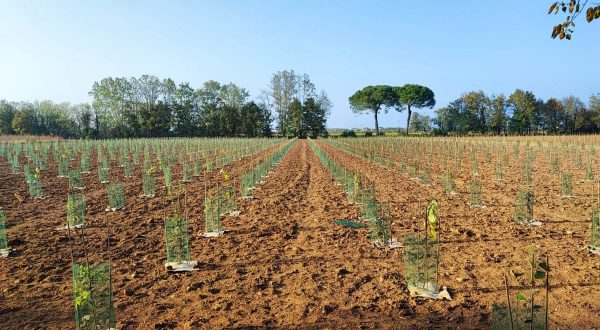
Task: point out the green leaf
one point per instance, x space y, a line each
543 265
540 274
521 296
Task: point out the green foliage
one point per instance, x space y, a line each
595 236
168 177
63 167
76 179
448 183
475 191
413 96
227 200
187 173
76 211
34 183
421 260
116 196
380 230
374 99
524 207
93 297
103 173
176 238
212 212
566 184
348 133
3 236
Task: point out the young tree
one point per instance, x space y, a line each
374 99
413 96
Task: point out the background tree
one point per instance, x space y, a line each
315 113
478 106
523 106
374 99
553 114
498 117
286 86
7 113
413 96
420 123
297 125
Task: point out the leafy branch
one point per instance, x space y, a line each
574 8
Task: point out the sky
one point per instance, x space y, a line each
55 50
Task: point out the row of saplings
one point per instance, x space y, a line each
527 309
92 282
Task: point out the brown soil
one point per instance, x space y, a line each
284 264
479 245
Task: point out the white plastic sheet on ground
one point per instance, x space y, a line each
183 266
214 234
429 290
392 244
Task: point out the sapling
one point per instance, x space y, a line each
197 169
176 233
526 173
116 196
35 184
63 167
421 258
93 296
499 171
594 245
566 185
127 169
84 164
524 207
475 191
448 183
526 310
76 211
76 179
380 230
149 182
103 174
187 173
167 176
3 237
212 214
589 171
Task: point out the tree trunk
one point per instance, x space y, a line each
408 120
376 124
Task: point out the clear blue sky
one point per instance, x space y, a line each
57 49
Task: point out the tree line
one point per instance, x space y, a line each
151 107
519 113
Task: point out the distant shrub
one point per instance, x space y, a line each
348 133
368 133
